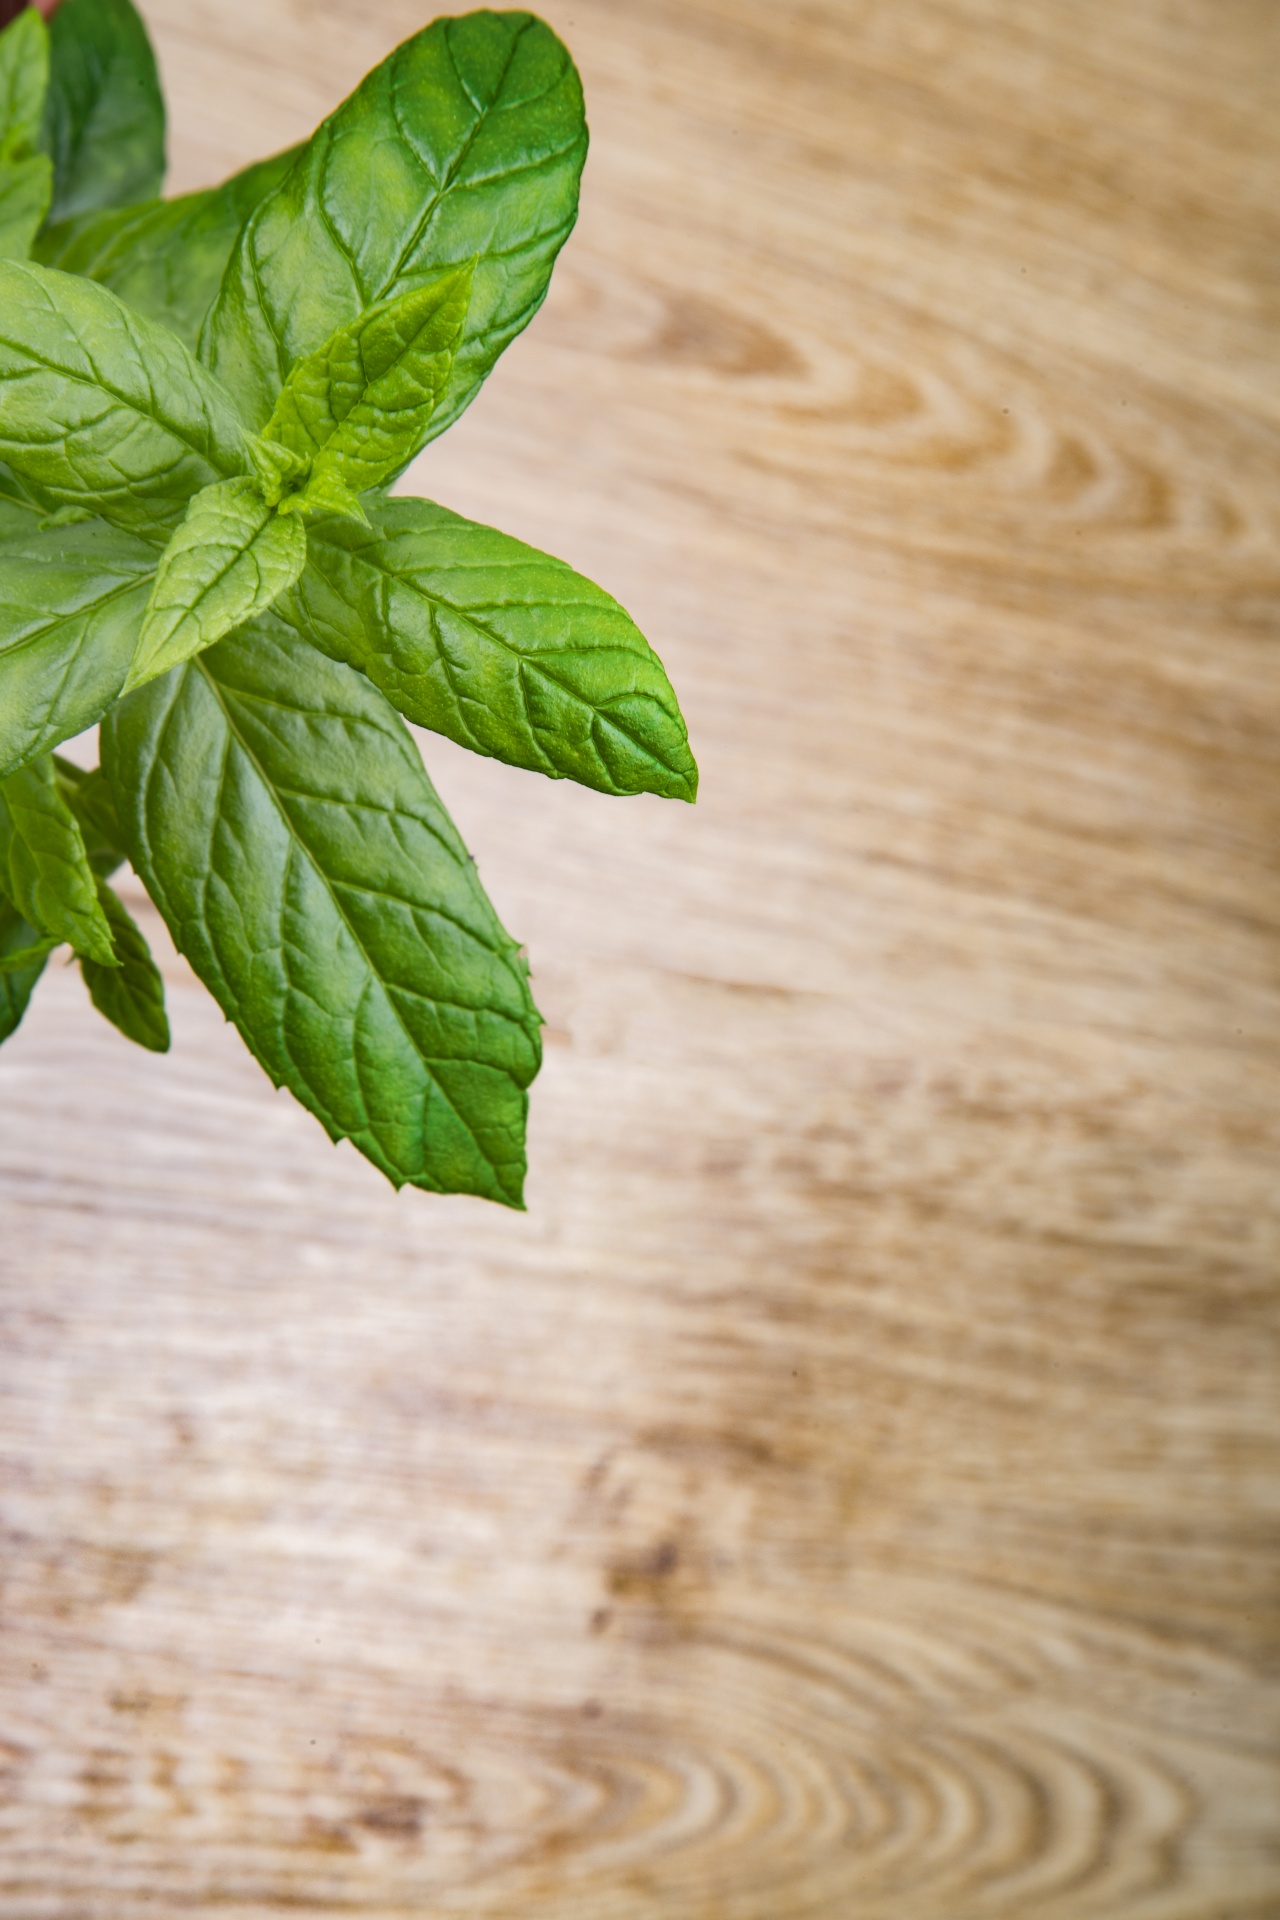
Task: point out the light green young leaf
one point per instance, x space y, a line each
44 869
325 495
104 116
130 995
279 471
102 409
24 81
231 557
358 410
166 259
286 480
502 648
71 604
466 143
281 818
26 176
23 953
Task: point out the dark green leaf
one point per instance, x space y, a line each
44 868
39 949
87 792
358 410
26 177
100 408
165 259
104 116
228 560
18 976
500 647
284 825
467 143
71 605
131 995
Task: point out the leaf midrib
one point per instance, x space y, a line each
63 619
530 661
451 176
101 385
189 610
374 972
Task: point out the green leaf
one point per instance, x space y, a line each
324 495
87 792
66 517
71 604
130 995
25 186
283 823
165 259
466 143
502 648
26 177
228 560
358 410
100 408
13 493
104 116
40 948
24 81
44 868
23 953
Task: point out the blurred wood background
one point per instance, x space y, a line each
851 1490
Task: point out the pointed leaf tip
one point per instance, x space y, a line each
229 560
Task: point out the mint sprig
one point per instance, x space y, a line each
202 404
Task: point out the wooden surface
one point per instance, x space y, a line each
850 1491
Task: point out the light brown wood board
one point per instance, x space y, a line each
851 1490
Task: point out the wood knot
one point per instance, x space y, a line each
698 332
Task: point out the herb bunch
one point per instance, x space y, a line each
203 403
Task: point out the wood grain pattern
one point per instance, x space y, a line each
852 1488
